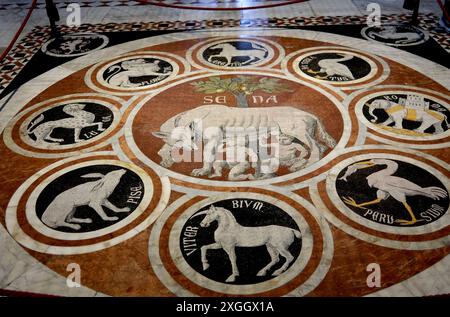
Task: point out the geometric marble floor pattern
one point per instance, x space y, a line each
231 162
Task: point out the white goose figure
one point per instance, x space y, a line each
333 67
391 186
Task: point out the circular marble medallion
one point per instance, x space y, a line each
395 34
77 44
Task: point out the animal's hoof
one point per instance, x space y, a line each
199 172
261 273
88 220
267 176
231 279
101 129
165 164
126 209
277 272
111 218
205 266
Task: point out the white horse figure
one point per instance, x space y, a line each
229 235
229 51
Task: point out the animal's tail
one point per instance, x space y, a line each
315 149
259 48
323 135
51 224
48 221
441 112
435 192
446 120
35 122
297 233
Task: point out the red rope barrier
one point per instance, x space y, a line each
447 16
176 6
16 36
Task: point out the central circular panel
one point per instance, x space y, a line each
236 128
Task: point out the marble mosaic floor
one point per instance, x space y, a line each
272 156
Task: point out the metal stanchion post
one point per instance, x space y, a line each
414 6
53 17
445 19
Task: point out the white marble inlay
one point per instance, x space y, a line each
435 280
166 172
442 222
82 97
38 84
311 283
20 236
377 128
37 223
283 278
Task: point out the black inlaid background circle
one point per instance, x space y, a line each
358 67
214 54
150 66
74 44
250 260
128 193
395 34
386 212
380 115
90 130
